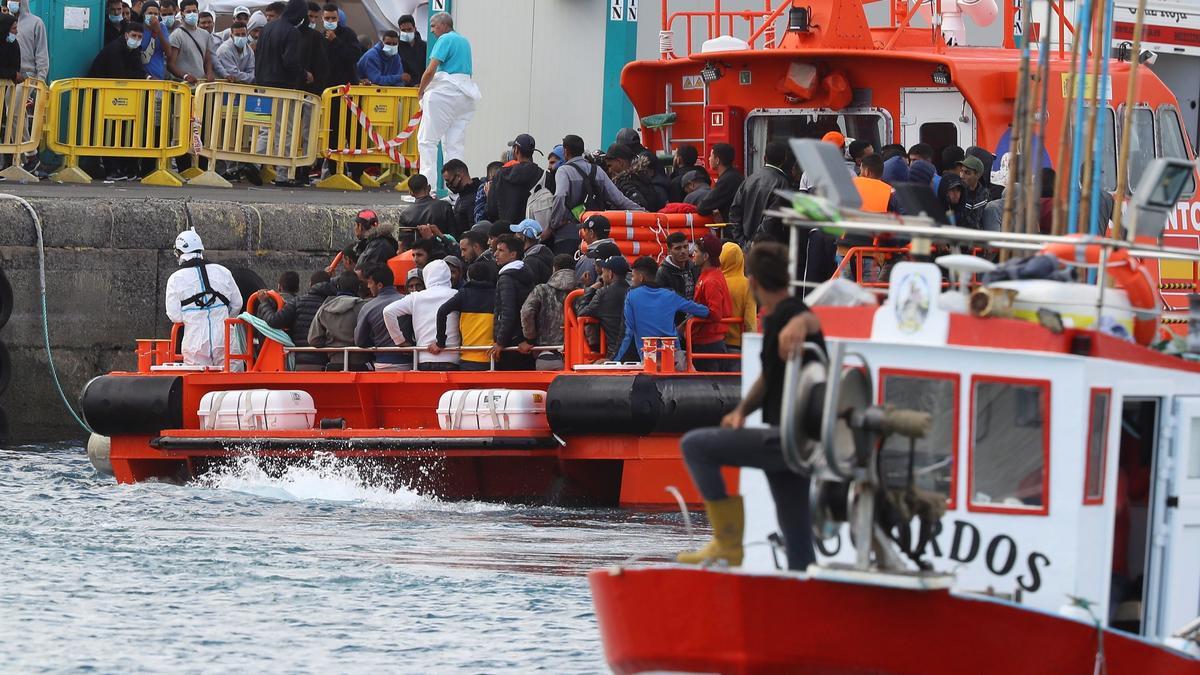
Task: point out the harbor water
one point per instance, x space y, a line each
311 570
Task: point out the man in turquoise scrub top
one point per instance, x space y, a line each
448 97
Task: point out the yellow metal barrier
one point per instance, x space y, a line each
255 125
375 125
146 119
22 119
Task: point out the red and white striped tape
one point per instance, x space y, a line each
391 148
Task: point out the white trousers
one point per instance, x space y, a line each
448 106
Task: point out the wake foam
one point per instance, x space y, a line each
326 478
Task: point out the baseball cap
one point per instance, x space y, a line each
240 9
616 264
525 142
619 151
712 246
455 261
835 138
598 224
628 136
558 152
573 143
367 216
414 273
583 266
693 176
528 228
482 227
605 250
973 163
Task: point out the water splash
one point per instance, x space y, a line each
326 478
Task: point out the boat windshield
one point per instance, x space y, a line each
868 124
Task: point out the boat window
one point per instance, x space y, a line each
1173 142
1108 172
1009 438
939 135
867 125
933 462
1097 444
1141 144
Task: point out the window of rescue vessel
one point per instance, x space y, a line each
1172 142
1142 148
1009 454
766 125
1097 446
1108 171
935 455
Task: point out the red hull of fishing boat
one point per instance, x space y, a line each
695 620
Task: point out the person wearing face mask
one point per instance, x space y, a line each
35 54
10 51
254 28
240 13
169 9
341 47
189 57
121 59
413 50
235 59
381 66
448 96
115 18
154 42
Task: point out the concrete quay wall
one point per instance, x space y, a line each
107 263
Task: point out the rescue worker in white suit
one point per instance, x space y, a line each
201 296
448 97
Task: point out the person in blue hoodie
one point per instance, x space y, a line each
382 66
650 309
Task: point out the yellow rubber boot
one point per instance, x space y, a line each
728 523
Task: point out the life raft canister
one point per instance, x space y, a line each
252 303
1129 274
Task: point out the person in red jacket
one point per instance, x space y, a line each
712 292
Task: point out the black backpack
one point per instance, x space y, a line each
592 199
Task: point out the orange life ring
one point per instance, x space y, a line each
253 301
1129 273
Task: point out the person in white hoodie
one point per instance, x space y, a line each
31 35
423 306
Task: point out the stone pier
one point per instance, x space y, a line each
108 256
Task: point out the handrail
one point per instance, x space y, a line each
857 254
414 350
713 20
687 341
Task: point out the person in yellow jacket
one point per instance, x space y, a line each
733 266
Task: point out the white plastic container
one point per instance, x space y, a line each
493 409
257 410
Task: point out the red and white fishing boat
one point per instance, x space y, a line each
1052 476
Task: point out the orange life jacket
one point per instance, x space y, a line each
875 194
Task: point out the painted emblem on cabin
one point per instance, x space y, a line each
912 303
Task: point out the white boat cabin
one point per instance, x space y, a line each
1070 462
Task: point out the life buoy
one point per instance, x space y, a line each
253 301
652 227
1130 275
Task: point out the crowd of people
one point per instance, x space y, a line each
299 44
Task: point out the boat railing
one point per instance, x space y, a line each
759 24
692 356
416 352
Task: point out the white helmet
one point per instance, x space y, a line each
188 245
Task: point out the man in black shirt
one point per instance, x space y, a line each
729 179
787 325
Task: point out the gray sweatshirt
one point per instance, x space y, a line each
31 35
568 192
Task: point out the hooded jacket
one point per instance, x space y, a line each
413 55
959 211
733 265
637 184
279 54
539 260
607 304
31 35
296 318
682 280
895 171
334 324
713 293
423 307
475 304
342 53
512 287
228 61
753 197
10 52
377 246
509 193
371 331
380 69
117 61
464 207
542 312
